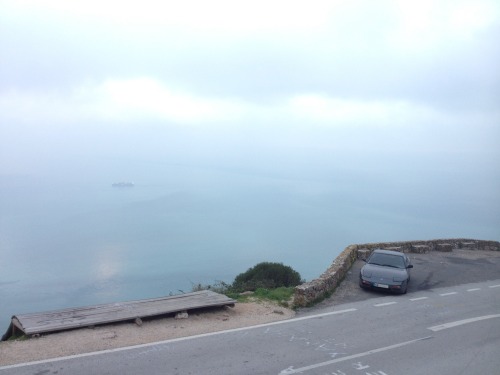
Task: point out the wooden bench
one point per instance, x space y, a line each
59 320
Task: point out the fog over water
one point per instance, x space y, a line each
69 238
248 138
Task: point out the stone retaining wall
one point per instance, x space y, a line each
317 289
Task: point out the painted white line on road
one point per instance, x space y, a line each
448 294
418 299
292 370
473 289
462 322
107 351
385 304
494 286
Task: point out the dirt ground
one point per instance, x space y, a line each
106 337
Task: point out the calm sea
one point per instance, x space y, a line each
74 241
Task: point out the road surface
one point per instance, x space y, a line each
451 330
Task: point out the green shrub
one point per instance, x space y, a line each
266 275
281 295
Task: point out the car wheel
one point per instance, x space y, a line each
405 288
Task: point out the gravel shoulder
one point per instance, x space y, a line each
114 336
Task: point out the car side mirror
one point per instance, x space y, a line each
410 266
363 259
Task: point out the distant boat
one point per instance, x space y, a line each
123 184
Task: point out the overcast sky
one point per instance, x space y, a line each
218 79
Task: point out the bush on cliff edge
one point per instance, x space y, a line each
266 275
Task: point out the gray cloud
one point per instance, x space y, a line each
362 60
355 77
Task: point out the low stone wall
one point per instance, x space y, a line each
317 289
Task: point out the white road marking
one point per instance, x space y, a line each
311 316
473 289
360 366
418 299
462 322
494 286
292 370
385 304
448 294
176 340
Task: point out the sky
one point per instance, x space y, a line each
263 85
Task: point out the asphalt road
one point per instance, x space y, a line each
448 323
432 270
452 330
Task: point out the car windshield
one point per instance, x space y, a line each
387 260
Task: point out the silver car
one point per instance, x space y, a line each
386 270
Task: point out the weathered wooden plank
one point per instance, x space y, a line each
51 321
